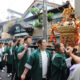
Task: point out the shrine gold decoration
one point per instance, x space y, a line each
69 34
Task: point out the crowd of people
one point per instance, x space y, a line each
39 63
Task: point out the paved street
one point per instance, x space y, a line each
4 75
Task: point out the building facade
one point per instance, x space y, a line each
51 7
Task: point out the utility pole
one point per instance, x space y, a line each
45 19
77 6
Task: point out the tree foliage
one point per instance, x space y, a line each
36 11
50 16
38 24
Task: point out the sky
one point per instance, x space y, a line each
19 6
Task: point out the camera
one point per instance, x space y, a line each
74 50
67 48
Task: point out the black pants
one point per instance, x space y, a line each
1 66
44 79
14 73
17 78
9 68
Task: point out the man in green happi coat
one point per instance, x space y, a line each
15 59
10 53
21 61
23 55
9 58
59 70
38 63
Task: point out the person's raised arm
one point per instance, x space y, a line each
20 56
74 57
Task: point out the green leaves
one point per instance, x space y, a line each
41 16
50 16
38 24
20 20
35 11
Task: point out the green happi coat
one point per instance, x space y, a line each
3 62
0 57
59 70
1 54
14 51
34 63
14 56
21 62
9 55
15 60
